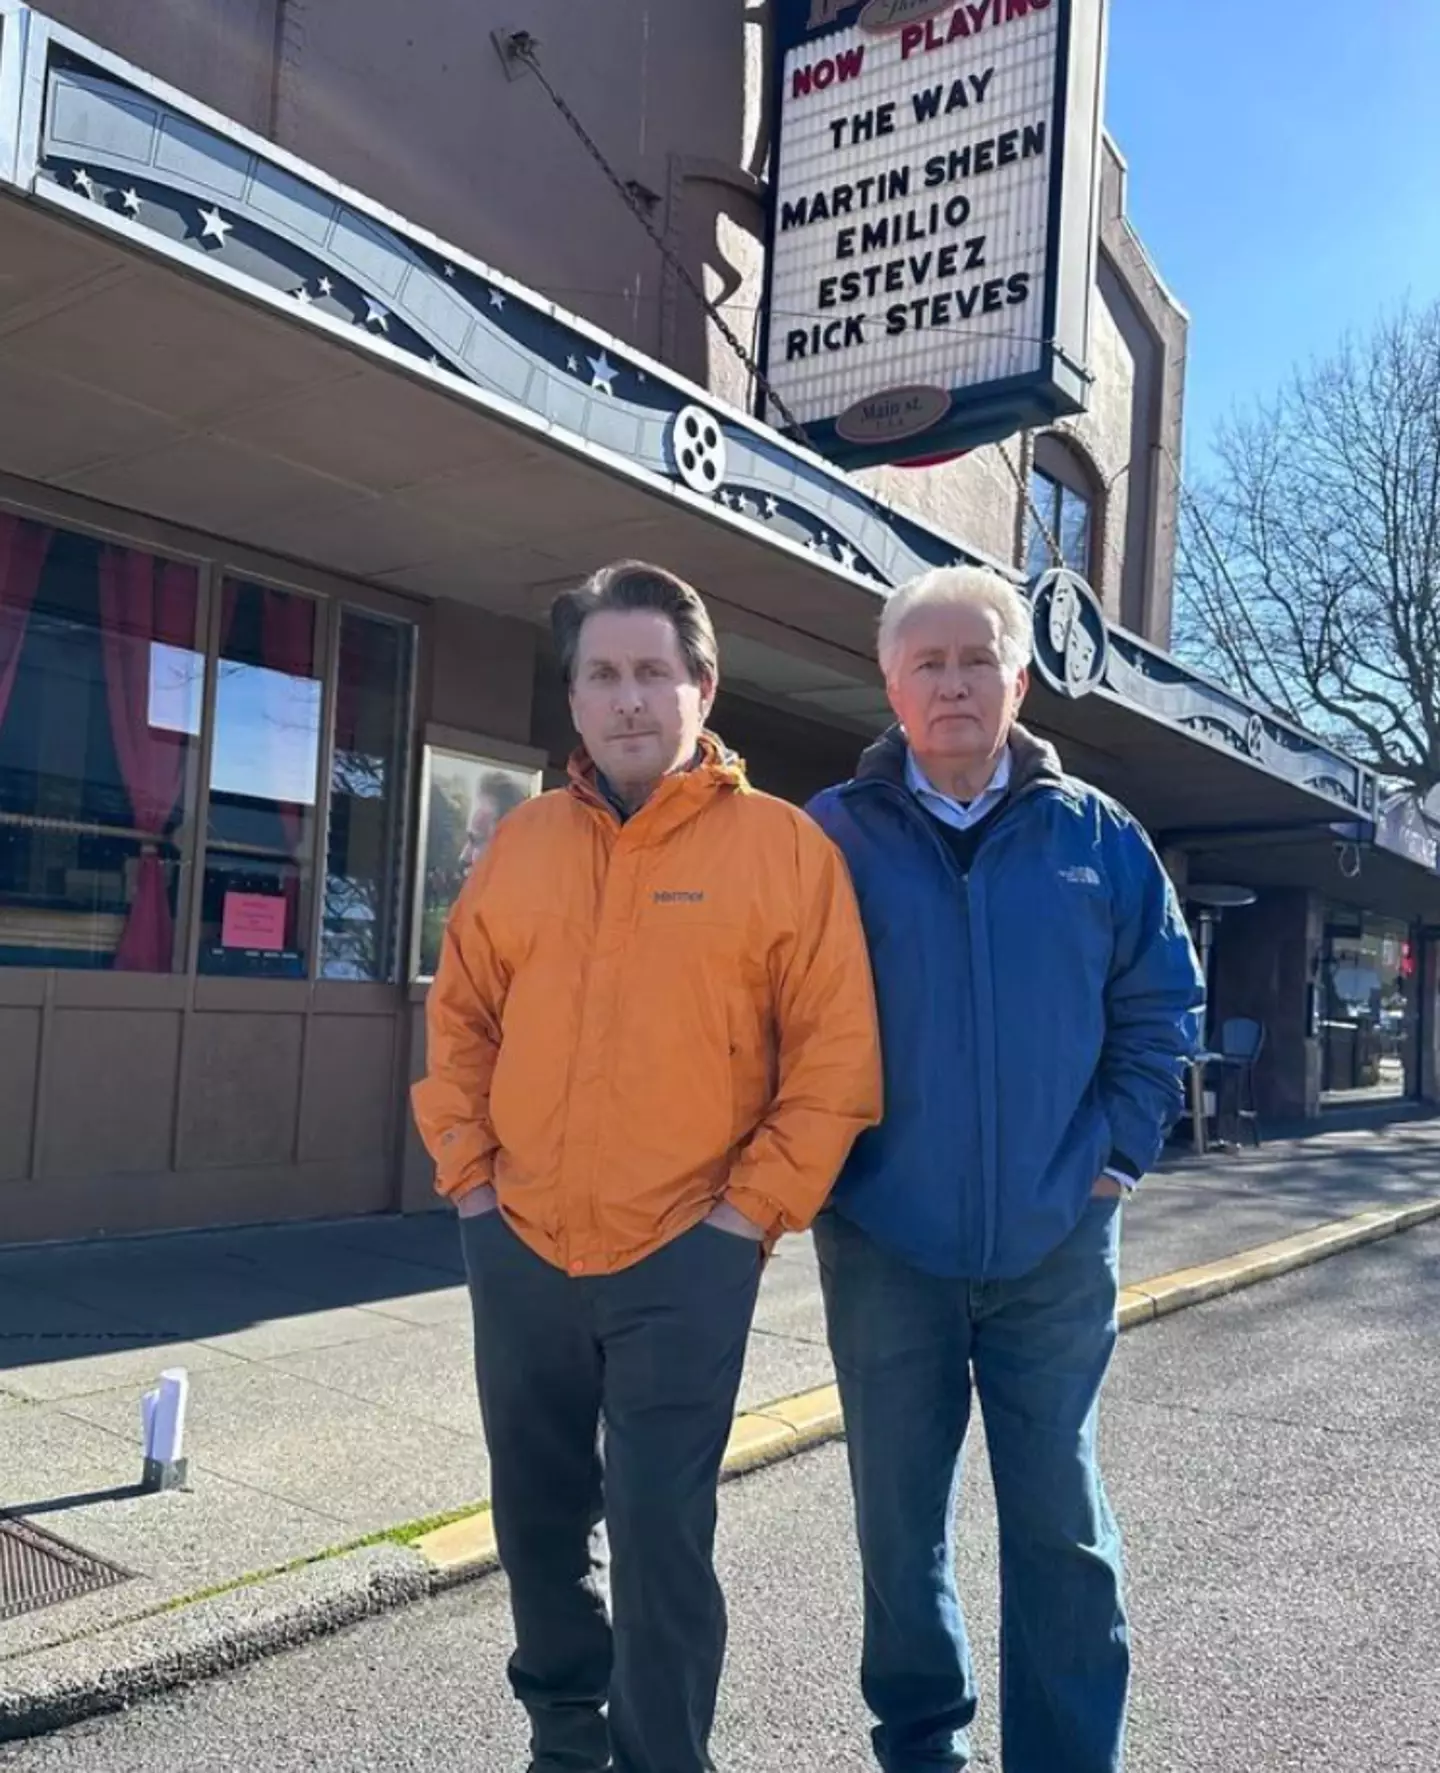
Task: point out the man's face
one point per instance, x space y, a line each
949 687
634 704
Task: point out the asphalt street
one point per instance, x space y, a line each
1274 1459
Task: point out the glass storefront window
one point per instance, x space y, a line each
113 849
100 690
264 784
1367 992
360 923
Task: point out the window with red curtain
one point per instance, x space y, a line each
103 698
100 693
264 784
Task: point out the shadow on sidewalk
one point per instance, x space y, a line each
267 1287
1202 1209
74 1301
85 1499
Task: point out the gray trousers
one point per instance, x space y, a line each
655 1353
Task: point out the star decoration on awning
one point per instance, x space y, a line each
748 506
497 298
573 365
848 556
377 316
214 226
84 182
131 201
326 287
602 373
772 505
450 271
303 296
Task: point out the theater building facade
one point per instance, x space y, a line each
301 428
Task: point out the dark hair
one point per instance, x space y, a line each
632 584
503 792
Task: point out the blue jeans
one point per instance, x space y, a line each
906 1345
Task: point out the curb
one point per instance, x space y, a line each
51 1689
1212 1280
180 1644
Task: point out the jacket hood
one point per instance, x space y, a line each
1033 762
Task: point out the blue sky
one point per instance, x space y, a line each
1284 173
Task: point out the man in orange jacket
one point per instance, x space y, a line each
652 1041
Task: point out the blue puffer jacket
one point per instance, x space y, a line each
1035 1014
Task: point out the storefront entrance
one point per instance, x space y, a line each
1369 1007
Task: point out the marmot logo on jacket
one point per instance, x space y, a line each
679 898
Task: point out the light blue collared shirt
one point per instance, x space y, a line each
945 807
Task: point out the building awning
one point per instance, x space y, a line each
196 326
124 379
1183 786
1346 872
1249 798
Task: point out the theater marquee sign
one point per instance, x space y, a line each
932 239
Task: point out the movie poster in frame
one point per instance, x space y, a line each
467 786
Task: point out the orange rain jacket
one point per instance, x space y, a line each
630 1022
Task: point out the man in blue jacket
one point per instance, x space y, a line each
1038 997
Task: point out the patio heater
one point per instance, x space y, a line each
1212 900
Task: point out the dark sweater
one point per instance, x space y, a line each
963 844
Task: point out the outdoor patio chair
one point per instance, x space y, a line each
1242 1040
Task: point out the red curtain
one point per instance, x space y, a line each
23 547
143 600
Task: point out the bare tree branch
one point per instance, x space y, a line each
1310 562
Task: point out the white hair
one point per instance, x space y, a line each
975 586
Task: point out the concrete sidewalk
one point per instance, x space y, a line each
331 1388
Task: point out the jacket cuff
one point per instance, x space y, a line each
466 1162
474 1203
1123 1168
758 1208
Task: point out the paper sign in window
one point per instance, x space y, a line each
267 735
253 920
177 683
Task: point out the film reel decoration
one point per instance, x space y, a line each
697 448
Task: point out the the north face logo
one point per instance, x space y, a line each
679 898
1080 876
